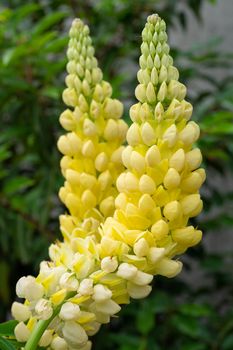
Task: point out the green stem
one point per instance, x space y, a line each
42 325
38 331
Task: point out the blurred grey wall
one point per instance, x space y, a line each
217 21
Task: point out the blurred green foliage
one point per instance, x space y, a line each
191 312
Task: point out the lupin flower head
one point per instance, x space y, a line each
129 206
92 148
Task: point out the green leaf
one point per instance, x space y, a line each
4 153
188 326
14 53
51 92
5 14
228 343
161 302
6 345
56 45
7 328
48 22
195 310
24 11
145 319
17 183
193 346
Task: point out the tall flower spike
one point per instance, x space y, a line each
159 191
93 145
115 238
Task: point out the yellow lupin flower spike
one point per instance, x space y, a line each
129 206
158 192
92 148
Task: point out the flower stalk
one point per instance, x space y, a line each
37 333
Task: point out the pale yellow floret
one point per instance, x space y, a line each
20 311
21 332
46 338
74 334
43 309
69 311
59 343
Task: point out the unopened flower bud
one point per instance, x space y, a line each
172 210
109 264
131 182
162 92
101 293
170 135
69 311
157 61
28 288
190 133
138 292
187 109
171 179
88 149
140 93
141 247
137 162
111 130
98 94
155 254
154 76
44 309
148 134
187 236
142 278
20 311
70 97
191 205
163 74
134 112
192 182
150 92
126 271
89 128
147 184
97 75
153 156
46 338
107 206
173 73
177 160
108 307
193 159
69 281
160 229
74 334
67 120
59 343
101 161
86 286
133 135
113 108
169 268
21 332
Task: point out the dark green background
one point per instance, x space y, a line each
190 312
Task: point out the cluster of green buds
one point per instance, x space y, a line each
129 205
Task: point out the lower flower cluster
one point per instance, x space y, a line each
84 290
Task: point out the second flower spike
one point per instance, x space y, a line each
93 145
